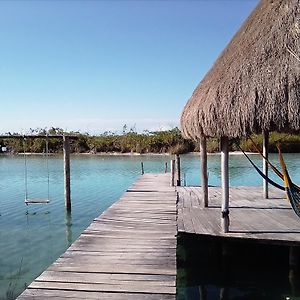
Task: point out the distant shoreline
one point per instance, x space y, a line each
125 154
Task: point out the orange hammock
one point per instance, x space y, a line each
292 190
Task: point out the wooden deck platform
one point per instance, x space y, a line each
129 252
251 217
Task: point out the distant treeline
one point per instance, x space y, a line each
169 141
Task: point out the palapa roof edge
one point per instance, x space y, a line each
254 84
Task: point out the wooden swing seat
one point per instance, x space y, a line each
36 201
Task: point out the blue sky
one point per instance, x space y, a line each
97 65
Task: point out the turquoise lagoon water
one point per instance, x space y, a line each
32 237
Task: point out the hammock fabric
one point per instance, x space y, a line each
291 189
271 165
292 193
276 171
269 180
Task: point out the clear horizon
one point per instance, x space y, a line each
93 66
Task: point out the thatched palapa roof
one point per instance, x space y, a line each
254 85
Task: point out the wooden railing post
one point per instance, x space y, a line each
172 171
178 177
265 163
225 183
67 178
204 177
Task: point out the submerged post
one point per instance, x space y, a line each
204 177
225 183
177 162
172 171
67 181
142 168
265 163
166 167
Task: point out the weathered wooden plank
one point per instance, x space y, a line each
109 268
95 287
86 278
37 294
104 277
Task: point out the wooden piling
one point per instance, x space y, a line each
223 293
265 163
142 168
166 167
204 177
67 180
225 183
202 293
177 163
172 171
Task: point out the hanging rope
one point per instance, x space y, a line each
47 166
38 200
25 168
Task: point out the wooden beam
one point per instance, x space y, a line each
225 183
204 177
178 177
265 163
67 179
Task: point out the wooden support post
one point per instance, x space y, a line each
172 171
202 292
225 183
177 162
166 167
224 293
142 168
67 181
204 177
265 163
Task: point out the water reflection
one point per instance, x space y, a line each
68 222
243 271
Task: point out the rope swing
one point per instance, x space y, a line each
36 200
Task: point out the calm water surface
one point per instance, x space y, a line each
32 237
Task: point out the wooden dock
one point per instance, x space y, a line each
251 216
129 252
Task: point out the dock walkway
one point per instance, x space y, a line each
251 216
128 252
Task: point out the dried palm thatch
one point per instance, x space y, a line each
254 85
